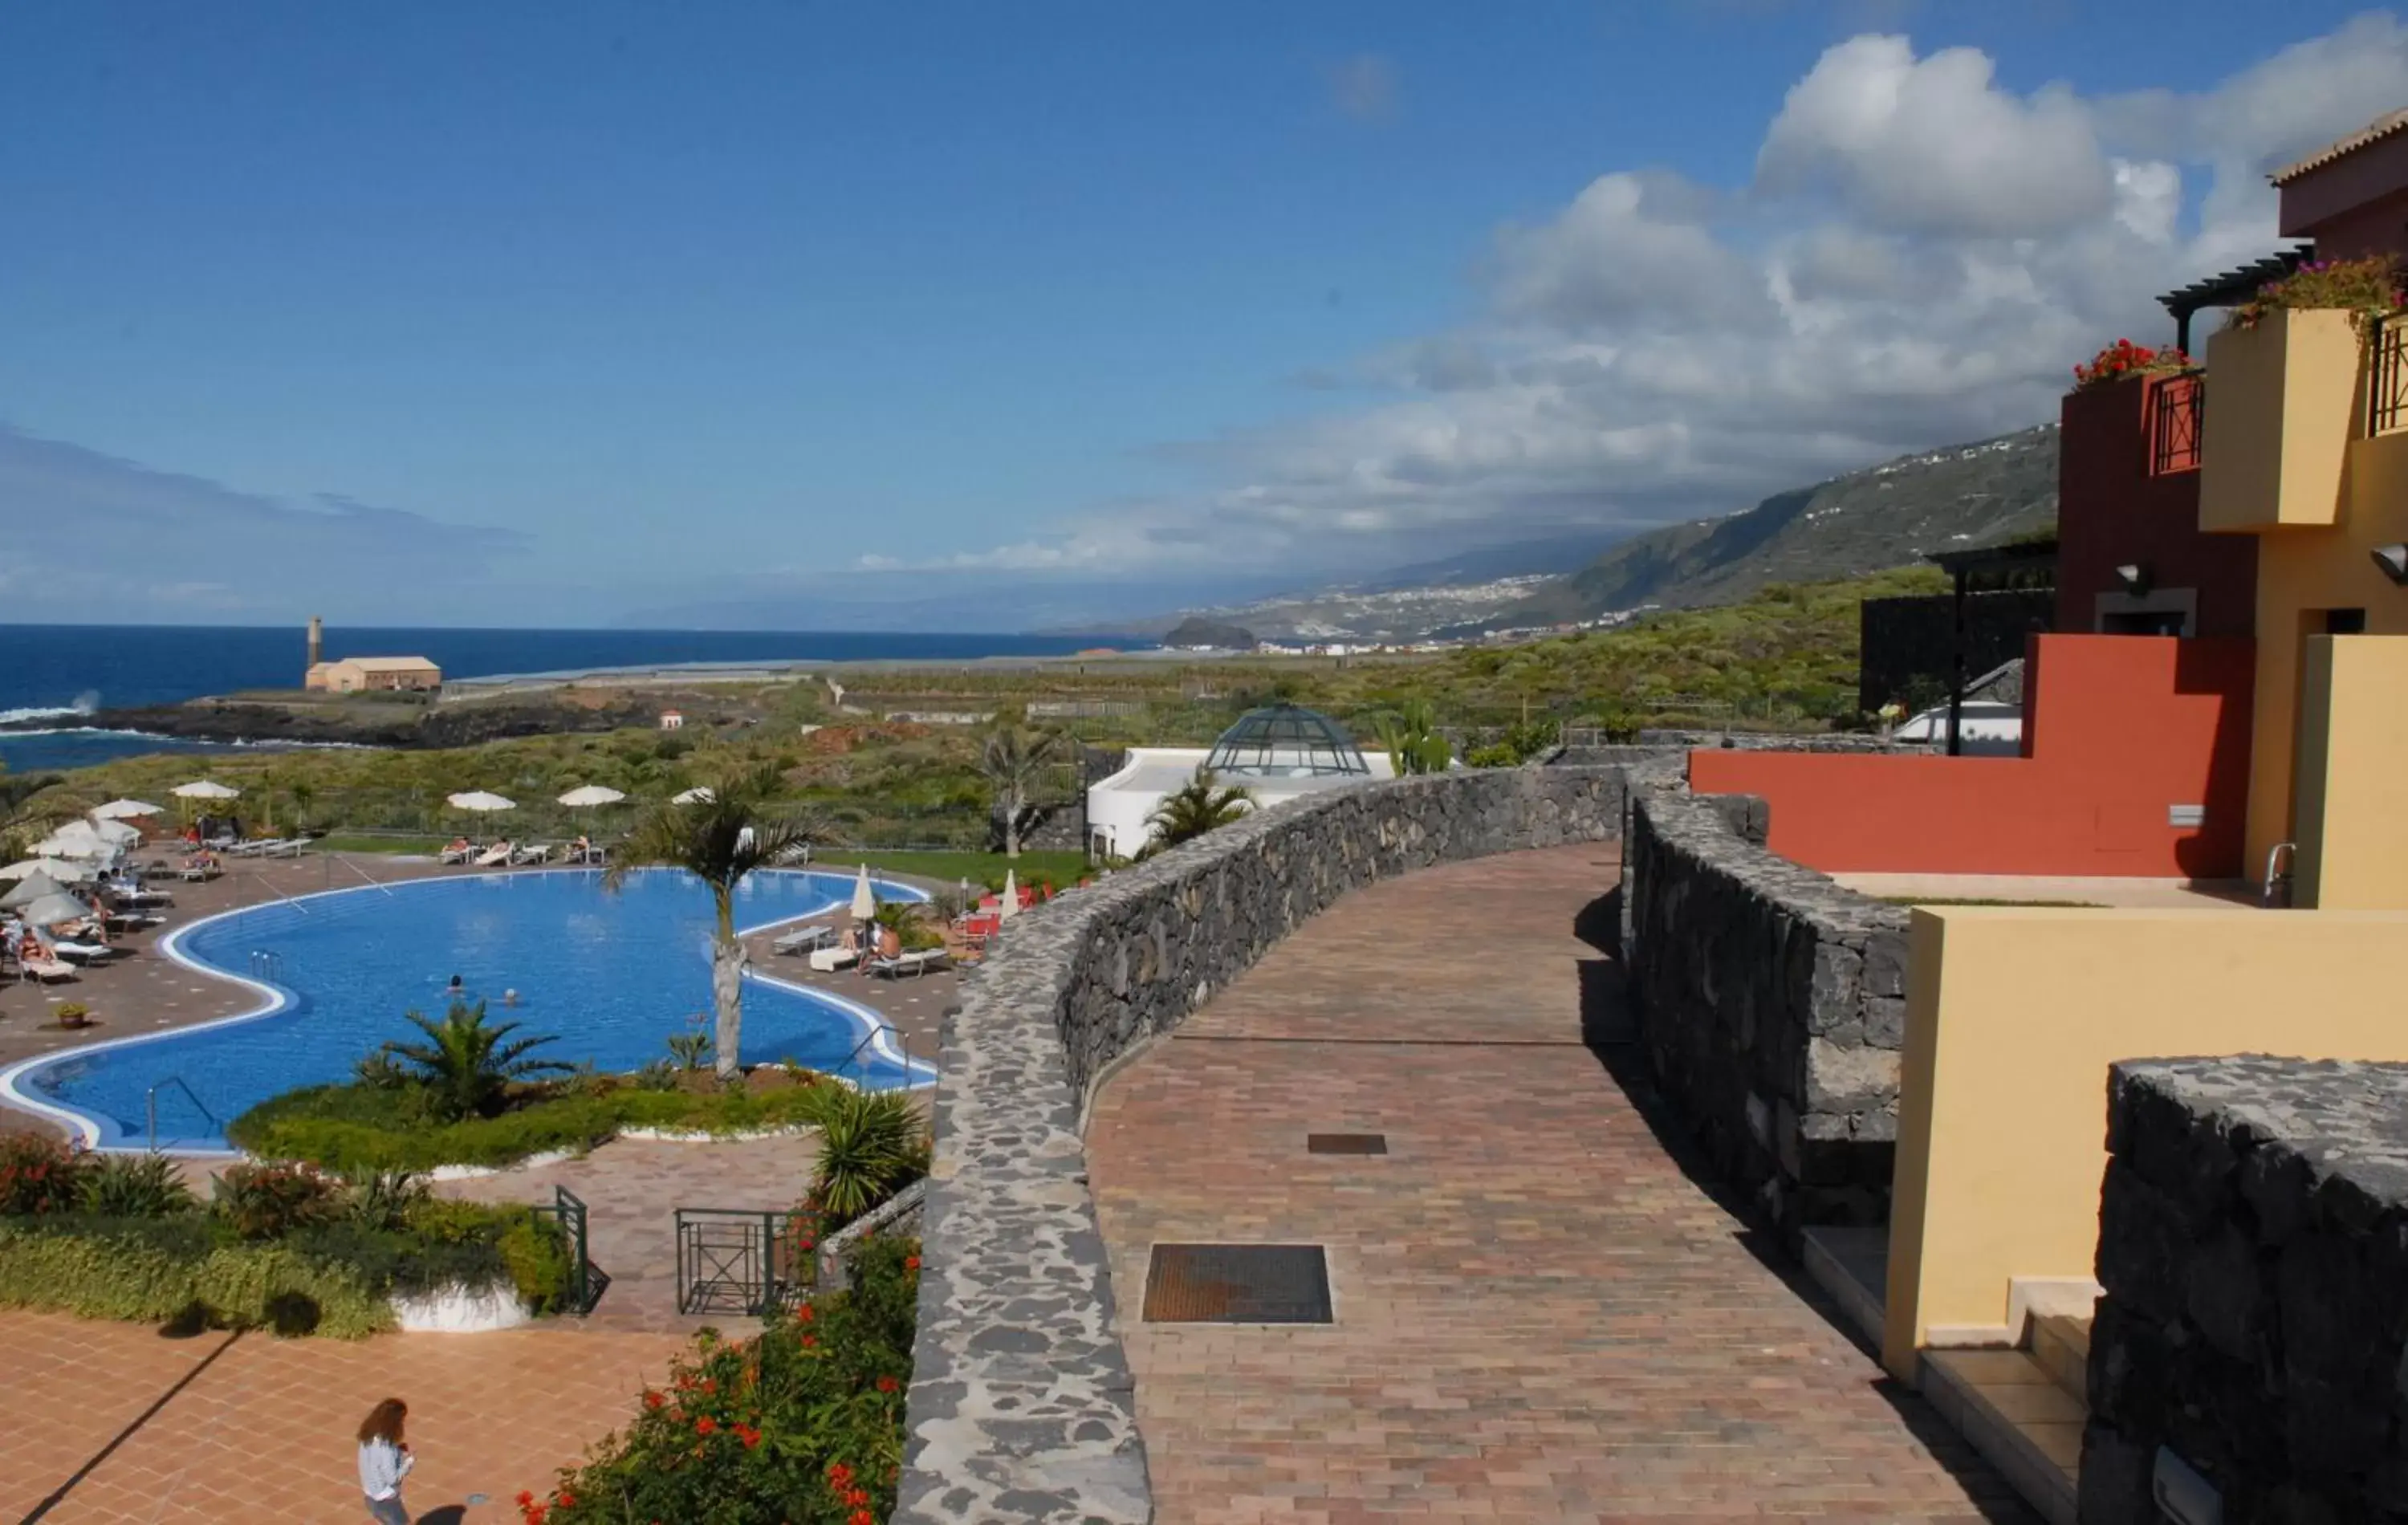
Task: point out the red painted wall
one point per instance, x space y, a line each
2112 512
2117 729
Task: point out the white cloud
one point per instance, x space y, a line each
1920 259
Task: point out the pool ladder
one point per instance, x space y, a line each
268 966
151 1108
884 1029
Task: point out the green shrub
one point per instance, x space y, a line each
158 1269
803 1422
383 1200
37 1174
540 1258
355 1128
134 1187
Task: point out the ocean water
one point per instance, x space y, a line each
610 976
55 670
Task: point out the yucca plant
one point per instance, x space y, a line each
1202 804
382 1200
1412 739
872 1144
133 1186
468 1064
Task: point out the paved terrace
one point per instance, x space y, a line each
1541 1315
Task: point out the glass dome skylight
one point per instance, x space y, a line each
1285 741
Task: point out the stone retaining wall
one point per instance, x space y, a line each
1021 1397
2253 1241
1771 1004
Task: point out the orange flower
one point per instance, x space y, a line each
911 1262
705 1425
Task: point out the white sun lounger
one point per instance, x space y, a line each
918 962
46 970
199 873
805 940
295 847
82 953
539 852
496 856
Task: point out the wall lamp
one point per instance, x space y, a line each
2135 578
2393 559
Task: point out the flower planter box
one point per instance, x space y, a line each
2282 409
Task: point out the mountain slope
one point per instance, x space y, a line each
1889 515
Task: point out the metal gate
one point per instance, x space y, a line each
571 1213
738 1260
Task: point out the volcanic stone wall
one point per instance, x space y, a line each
1771 1004
1020 1396
2253 1241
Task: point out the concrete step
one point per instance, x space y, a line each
2013 1411
2060 1342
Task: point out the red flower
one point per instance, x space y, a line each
525 1498
887 1384
654 1399
809 1313
911 1262
858 1497
705 1425
565 1501
811 1340
861 1516
839 1475
806 1244
711 1384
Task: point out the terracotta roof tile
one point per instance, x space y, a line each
2381 127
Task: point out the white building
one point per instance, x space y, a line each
1275 755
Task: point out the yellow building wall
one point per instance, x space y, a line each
2302 573
2013 1017
2281 397
2353 774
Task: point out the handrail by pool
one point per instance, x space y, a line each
150 1107
882 1029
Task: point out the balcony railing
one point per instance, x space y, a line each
2387 385
2178 410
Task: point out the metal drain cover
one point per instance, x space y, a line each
1346 1143
1238 1284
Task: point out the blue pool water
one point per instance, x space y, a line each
612 974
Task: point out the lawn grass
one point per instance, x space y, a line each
1062 869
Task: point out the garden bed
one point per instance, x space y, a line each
364 1125
273 1247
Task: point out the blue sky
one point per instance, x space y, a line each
1046 306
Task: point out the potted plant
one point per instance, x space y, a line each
74 1013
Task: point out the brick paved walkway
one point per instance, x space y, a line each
263 1431
1539 1315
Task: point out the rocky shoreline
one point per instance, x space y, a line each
419 727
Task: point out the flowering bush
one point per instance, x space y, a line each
37 1174
803 1423
2368 288
2125 359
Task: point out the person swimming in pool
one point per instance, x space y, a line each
457 988
510 998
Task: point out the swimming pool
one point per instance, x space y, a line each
612 974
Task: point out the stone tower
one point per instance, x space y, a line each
317 639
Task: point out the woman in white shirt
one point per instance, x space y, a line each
384 1462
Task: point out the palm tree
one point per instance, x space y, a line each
1200 805
718 840
1014 759
468 1064
1414 745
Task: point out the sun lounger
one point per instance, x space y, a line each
199 873
133 921
904 964
496 856
805 940
82 953
539 852
293 848
255 849
46 970
461 854
828 960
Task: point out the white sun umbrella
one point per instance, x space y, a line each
34 887
1010 905
699 795
125 810
115 833
55 908
79 839
66 870
590 794
481 802
206 789
864 899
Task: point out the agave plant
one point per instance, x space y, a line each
382 1200
134 1187
468 1064
1413 740
872 1144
